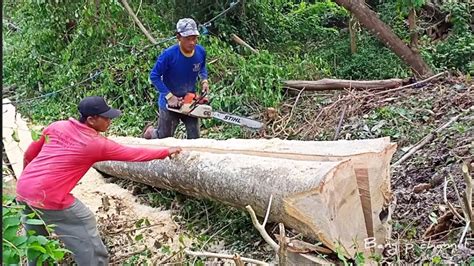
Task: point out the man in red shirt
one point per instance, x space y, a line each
58 160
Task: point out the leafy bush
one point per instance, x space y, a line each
371 61
18 247
456 53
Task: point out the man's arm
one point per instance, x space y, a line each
33 151
203 75
113 151
156 74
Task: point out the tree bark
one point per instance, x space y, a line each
338 84
370 158
370 20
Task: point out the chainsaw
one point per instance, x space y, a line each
197 106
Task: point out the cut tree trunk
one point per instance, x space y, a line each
384 33
371 159
338 84
319 199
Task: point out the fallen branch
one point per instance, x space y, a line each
467 197
128 255
340 84
243 43
137 21
222 256
409 85
261 229
165 260
291 112
445 197
11 26
293 244
133 229
429 138
268 211
340 122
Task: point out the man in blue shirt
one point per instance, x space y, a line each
175 73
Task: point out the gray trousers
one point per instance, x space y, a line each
168 122
76 227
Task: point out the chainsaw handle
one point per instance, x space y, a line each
196 101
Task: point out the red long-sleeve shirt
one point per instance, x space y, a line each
65 152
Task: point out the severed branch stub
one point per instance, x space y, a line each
282 255
238 260
261 229
282 249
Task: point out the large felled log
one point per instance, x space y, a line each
338 84
319 199
371 159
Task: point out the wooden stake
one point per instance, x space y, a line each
241 42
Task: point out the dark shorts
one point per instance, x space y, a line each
169 120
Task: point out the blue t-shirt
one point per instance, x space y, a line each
174 72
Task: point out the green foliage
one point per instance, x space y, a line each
456 53
371 61
404 6
289 22
18 247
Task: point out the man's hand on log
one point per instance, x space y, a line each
174 151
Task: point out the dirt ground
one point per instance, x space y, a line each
128 228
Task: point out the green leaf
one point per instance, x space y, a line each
10 257
139 223
10 233
15 135
10 221
138 237
32 254
31 215
147 222
58 255
359 258
37 247
35 222
42 240
35 135
18 241
166 249
436 260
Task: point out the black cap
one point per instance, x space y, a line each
96 105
